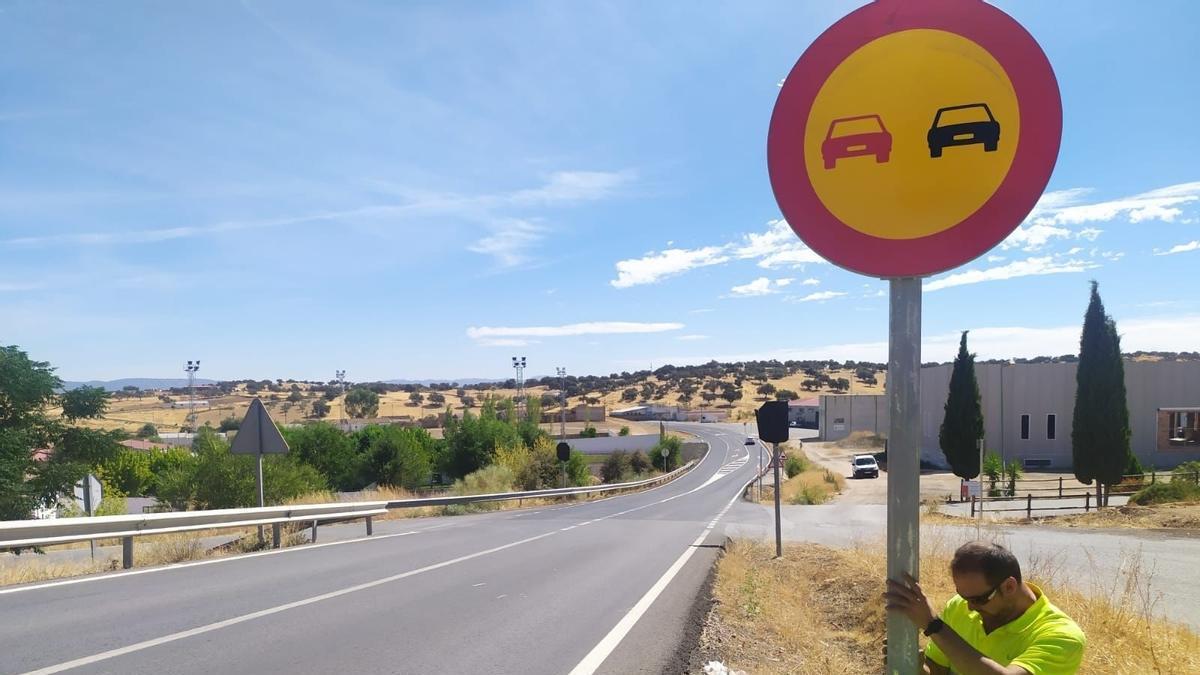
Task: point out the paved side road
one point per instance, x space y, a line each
604 586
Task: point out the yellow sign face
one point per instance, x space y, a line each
911 134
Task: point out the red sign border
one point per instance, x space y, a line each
1038 100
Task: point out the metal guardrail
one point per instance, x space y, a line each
30 533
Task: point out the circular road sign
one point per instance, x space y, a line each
914 135
665 451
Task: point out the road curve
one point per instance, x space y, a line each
603 586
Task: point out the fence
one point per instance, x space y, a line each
30 533
1058 490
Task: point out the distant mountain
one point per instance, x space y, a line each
464 381
139 382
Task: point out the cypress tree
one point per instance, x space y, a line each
1100 423
962 426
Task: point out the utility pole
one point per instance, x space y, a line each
340 376
562 400
191 368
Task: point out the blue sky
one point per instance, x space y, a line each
422 190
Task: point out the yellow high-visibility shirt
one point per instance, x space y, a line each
1043 640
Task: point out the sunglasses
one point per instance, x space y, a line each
984 598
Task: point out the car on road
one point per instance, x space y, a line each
750 441
864 466
963 125
856 137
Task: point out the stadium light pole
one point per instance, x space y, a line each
562 400
191 368
519 365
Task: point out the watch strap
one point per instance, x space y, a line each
934 626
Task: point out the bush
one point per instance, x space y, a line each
1161 493
589 431
488 480
623 432
577 469
808 495
1134 468
794 466
639 463
675 453
615 467
1186 472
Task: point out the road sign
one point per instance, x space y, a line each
665 452
88 503
772 418
914 135
564 451
258 433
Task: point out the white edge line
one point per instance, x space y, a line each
609 642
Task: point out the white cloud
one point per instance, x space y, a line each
569 330
1089 233
509 242
704 310
777 246
760 286
1180 248
1034 237
574 186
996 258
655 267
505 342
1162 333
784 282
1020 268
810 282
819 296
691 338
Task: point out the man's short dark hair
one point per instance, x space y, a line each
993 561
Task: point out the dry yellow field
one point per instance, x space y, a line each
130 414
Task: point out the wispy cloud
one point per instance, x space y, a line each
569 330
509 242
760 286
810 282
1021 268
777 246
819 296
1180 248
1056 213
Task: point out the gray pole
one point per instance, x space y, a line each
904 448
259 476
778 489
89 509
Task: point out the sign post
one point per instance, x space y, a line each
90 493
773 428
910 138
258 436
563 449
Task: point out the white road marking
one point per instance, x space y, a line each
609 642
478 585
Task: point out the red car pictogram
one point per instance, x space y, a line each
856 137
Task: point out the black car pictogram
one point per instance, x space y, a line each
963 125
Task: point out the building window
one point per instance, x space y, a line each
1050 424
1024 427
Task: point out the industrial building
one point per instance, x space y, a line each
1027 411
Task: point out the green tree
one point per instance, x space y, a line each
437 398
471 442
766 390
639 463
786 395
148 431
128 471
401 456
320 408
1100 423
416 398
362 403
295 396
27 390
230 423
328 450
578 473
674 455
962 423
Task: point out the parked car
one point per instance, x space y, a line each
864 466
750 441
963 125
856 137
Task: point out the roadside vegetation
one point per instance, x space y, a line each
767 611
806 482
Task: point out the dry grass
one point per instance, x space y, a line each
814 485
864 440
817 611
1184 516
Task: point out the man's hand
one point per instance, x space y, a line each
907 598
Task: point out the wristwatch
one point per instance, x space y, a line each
934 626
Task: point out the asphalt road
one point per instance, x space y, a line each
607 586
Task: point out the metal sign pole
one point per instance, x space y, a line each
778 489
904 448
262 537
89 509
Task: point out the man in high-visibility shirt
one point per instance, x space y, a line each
997 624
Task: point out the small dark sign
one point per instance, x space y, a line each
564 452
773 422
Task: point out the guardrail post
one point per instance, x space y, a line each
276 534
313 537
1060 487
370 529
1029 505
1087 501
972 506
127 552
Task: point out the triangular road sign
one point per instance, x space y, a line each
258 434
